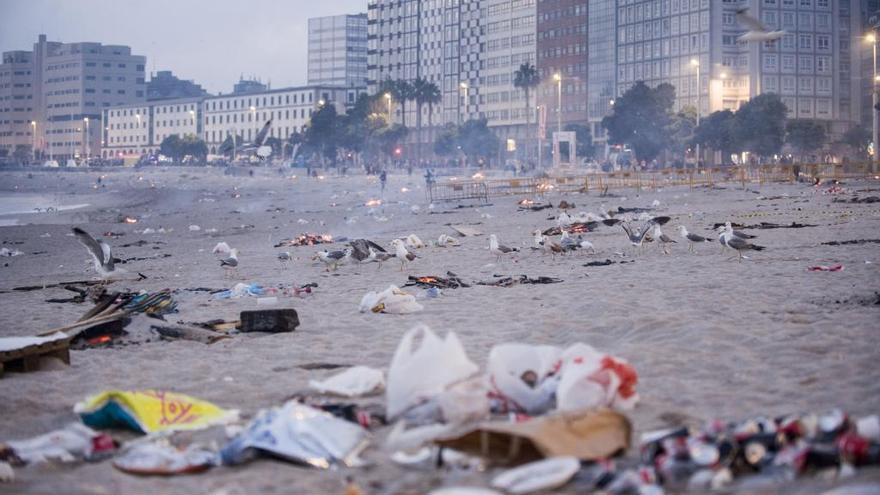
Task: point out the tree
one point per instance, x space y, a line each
424 92
682 126
477 141
446 143
760 125
171 147
275 144
526 78
717 132
192 145
804 136
23 153
641 119
322 133
584 139
858 138
294 141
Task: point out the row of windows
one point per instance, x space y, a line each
246 103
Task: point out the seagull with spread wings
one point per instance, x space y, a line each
100 252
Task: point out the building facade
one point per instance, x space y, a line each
601 64
70 85
338 51
18 128
139 129
165 85
562 49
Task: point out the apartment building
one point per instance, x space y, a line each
338 51
139 129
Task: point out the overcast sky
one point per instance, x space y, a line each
209 41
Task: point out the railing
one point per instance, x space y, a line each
482 190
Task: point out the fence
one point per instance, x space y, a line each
482 190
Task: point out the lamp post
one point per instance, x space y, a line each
34 136
86 120
696 64
875 137
558 78
463 89
388 97
254 116
138 117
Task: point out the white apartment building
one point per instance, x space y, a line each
17 112
338 51
289 109
812 68
135 130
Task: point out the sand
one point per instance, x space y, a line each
710 338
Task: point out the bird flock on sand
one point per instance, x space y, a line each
639 231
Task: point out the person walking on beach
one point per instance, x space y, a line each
383 178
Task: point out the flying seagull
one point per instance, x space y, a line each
691 238
100 251
230 263
637 237
758 32
737 243
402 253
499 250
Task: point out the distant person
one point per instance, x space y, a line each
383 178
429 177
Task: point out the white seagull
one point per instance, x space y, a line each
230 263
737 243
402 253
758 31
546 245
333 258
662 239
100 252
499 250
692 238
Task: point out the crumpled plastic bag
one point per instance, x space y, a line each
546 474
298 433
392 300
353 382
75 440
413 241
590 379
149 411
524 377
162 458
241 290
418 374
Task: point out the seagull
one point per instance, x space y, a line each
100 251
360 249
284 258
758 32
230 263
637 237
563 220
378 257
333 258
402 253
499 250
737 233
662 239
692 238
585 244
546 245
737 243
568 243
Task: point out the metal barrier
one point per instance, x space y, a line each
482 190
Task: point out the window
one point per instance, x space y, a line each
805 41
770 62
823 42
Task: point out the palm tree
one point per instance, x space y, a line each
404 92
526 78
424 91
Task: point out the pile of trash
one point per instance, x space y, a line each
306 240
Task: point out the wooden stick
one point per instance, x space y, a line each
91 321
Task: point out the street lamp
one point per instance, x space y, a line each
254 114
388 97
86 120
463 86
558 78
696 64
34 136
875 136
138 117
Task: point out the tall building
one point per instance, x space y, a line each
246 86
562 49
17 106
870 14
338 51
812 67
164 85
70 85
601 64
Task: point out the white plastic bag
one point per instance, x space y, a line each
464 402
546 474
509 364
391 300
413 241
419 373
590 379
353 382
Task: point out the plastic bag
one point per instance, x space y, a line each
298 433
540 475
353 382
148 411
524 377
76 440
164 459
413 241
464 402
419 373
591 379
391 300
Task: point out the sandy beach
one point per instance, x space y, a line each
709 337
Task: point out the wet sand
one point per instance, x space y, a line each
709 337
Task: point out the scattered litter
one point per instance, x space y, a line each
450 282
445 240
74 441
858 200
585 435
606 263
392 300
306 240
162 458
540 475
298 433
572 228
413 241
221 248
353 382
770 225
825 268
150 411
269 320
590 379
7 253
522 279
241 290
523 377
418 374
194 228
